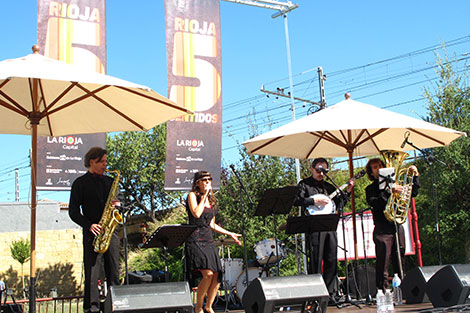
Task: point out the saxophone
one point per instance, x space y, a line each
109 220
398 204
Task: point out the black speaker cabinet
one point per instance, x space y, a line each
413 285
449 286
305 293
358 282
147 298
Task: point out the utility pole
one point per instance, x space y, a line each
17 185
321 82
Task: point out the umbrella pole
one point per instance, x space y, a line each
32 271
353 205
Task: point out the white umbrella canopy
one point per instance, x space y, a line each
43 96
68 100
349 127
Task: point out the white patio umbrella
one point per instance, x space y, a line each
46 97
349 128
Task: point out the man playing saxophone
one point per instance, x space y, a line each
88 198
385 230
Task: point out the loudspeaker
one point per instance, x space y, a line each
413 285
449 286
305 293
147 298
359 279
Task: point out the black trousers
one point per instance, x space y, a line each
323 249
93 262
386 249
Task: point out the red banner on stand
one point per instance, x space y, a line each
194 61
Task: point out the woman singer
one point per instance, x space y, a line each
202 258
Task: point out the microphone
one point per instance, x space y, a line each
407 134
321 169
232 166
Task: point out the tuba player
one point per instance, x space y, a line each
384 230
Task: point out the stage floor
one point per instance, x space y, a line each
363 308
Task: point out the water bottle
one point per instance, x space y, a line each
388 301
380 299
397 295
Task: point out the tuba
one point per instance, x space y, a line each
398 204
109 220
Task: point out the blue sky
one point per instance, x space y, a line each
374 49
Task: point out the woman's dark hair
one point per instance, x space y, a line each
194 188
319 160
92 154
369 166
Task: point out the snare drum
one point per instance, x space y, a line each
232 268
266 251
241 284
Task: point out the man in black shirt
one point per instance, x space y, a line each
321 246
87 201
384 230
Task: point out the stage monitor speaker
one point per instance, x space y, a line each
359 280
449 286
147 298
413 285
305 293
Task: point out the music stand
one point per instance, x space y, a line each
276 201
312 223
169 237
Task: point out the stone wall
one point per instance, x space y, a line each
58 240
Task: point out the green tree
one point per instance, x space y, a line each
140 158
20 251
448 105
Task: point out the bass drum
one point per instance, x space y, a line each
241 284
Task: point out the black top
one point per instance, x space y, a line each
309 187
203 232
88 198
378 198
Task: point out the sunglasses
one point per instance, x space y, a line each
318 171
206 179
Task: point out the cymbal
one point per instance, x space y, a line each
224 241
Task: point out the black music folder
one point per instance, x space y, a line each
277 201
312 223
169 236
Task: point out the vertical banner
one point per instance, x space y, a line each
72 31
194 64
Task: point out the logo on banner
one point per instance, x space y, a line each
191 144
68 142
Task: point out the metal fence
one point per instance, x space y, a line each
53 305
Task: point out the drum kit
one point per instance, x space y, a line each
268 254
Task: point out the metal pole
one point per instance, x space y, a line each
292 103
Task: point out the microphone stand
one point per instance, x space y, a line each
388 181
368 296
124 210
347 297
245 253
429 159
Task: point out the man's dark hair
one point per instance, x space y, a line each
94 153
319 160
369 166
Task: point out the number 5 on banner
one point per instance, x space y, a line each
189 60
